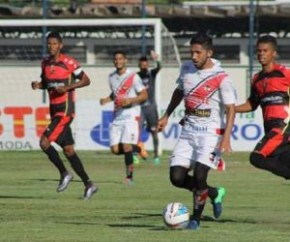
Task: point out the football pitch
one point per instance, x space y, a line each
256 206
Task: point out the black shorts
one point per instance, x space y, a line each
149 117
274 143
59 131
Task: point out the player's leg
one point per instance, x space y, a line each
200 194
76 164
152 123
116 130
180 163
66 141
129 163
209 156
129 139
51 134
270 154
139 148
179 177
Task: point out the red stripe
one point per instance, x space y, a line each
59 128
126 85
220 131
204 91
272 143
123 90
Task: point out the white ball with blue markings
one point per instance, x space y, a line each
176 215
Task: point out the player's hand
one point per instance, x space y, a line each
154 55
125 102
35 85
162 123
103 101
61 89
225 148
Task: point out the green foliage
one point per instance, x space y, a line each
256 208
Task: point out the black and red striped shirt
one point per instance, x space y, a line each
270 90
62 72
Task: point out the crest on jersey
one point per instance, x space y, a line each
207 88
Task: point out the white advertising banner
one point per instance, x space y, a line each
22 125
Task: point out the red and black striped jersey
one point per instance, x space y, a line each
270 90
62 72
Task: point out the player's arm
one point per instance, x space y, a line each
251 104
244 108
107 99
155 57
39 85
225 145
36 85
84 80
140 98
176 99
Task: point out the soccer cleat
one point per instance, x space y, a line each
156 161
128 181
217 202
143 153
64 181
193 225
90 190
136 160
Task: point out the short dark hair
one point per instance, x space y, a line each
202 39
268 39
55 35
120 52
143 58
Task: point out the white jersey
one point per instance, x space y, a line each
126 85
205 94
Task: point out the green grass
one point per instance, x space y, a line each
256 208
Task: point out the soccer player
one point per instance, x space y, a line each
127 92
270 90
208 96
58 77
149 112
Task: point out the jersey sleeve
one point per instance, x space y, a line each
182 71
253 98
75 67
185 68
42 77
228 91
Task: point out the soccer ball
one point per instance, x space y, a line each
176 215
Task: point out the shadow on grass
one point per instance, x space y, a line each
242 221
74 181
18 197
142 215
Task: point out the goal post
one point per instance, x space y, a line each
155 22
22 129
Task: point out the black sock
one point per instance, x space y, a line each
199 203
129 164
121 149
136 149
155 145
55 159
212 192
79 168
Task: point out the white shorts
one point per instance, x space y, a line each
124 132
191 148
